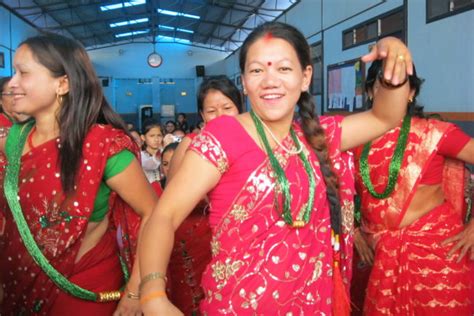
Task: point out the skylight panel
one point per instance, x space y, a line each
173 39
175 13
185 30
131 33
122 5
165 27
170 28
128 22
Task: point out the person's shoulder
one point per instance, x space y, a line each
105 130
223 120
221 124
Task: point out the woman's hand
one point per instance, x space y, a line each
397 59
365 252
464 242
128 307
160 306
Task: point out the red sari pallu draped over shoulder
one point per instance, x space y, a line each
260 265
58 225
412 274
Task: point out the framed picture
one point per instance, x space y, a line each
346 86
2 60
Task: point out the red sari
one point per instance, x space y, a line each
5 122
411 273
260 265
58 225
190 255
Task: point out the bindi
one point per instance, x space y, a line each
269 63
268 36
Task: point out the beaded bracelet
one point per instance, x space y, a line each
152 296
150 277
386 84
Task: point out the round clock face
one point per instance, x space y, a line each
154 60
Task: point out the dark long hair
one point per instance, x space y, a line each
222 84
312 129
3 83
414 81
169 147
84 104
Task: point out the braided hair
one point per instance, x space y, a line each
311 126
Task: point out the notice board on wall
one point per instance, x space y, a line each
346 86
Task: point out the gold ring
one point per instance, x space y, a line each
401 57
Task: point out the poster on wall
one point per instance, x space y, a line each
167 110
346 86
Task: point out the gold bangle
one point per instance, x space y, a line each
152 296
110 296
132 295
150 277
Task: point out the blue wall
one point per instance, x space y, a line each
12 32
174 82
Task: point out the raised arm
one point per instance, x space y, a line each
192 181
390 104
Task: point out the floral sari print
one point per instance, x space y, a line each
58 225
411 274
260 265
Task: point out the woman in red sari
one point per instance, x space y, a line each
256 167
191 253
411 186
71 231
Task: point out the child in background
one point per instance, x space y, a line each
150 156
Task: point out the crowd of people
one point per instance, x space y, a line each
250 213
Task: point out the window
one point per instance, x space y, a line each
439 9
391 23
317 55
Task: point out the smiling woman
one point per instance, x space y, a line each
68 190
281 215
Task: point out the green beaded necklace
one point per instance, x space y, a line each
395 163
282 182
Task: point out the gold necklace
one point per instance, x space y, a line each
288 151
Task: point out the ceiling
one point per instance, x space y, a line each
214 24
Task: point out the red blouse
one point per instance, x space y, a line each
452 143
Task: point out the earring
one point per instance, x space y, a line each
370 98
59 98
410 100
245 91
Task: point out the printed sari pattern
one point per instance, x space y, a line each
260 265
58 225
412 274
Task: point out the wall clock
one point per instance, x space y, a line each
154 60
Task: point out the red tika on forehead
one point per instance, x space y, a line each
268 36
